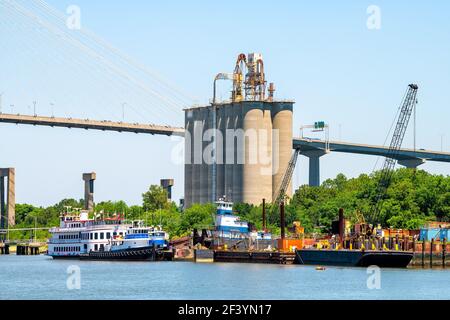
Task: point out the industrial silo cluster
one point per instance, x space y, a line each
251 146
240 175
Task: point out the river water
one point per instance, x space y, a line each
40 277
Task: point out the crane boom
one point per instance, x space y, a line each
281 192
406 110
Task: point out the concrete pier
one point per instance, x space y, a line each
314 166
8 202
89 179
27 250
4 249
167 185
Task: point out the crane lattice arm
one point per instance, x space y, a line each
281 192
387 171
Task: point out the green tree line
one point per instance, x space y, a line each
412 199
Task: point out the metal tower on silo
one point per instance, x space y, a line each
245 158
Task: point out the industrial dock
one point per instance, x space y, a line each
242 149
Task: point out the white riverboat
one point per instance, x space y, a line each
105 239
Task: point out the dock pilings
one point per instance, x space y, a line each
4 249
431 254
27 250
444 252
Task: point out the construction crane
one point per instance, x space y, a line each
406 108
280 194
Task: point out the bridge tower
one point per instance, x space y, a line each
8 207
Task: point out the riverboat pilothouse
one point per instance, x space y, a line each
79 237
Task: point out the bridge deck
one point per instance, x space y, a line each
306 145
91 124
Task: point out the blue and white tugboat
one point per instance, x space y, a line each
79 237
231 231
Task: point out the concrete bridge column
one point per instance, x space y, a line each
314 166
411 163
8 207
2 203
89 179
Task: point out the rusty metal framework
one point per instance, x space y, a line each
249 81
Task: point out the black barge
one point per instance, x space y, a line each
354 258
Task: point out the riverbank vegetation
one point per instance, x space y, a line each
413 198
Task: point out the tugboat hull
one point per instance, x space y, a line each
383 259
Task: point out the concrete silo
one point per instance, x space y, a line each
220 152
282 142
253 143
188 158
257 174
204 118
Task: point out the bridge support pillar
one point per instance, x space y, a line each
314 166
167 185
411 163
89 179
8 200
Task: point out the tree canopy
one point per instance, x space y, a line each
412 199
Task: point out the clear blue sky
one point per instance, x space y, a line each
321 54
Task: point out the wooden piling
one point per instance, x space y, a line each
431 253
423 253
25 250
390 240
444 252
